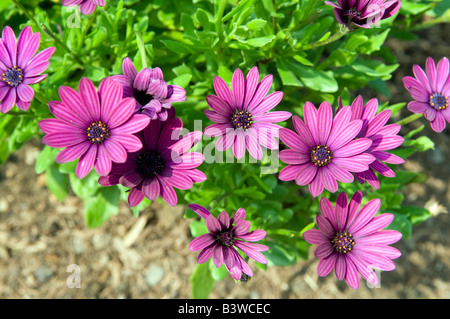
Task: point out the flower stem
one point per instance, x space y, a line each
409 119
343 30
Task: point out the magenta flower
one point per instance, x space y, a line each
324 150
20 67
430 91
86 6
225 235
153 96
242 117
162 164
384 137
364 13
95 127
351 241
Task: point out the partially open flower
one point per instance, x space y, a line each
224 236
363 13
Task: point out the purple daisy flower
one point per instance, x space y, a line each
352 241
324 150
242 117
162 164
363 13
20 67
225 235
86 6
95 127
153 95
431 91
384 137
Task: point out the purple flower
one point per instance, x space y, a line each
430 91
95 127
324 150
153 96
162 164
242 117
86 6
20 67
225 235
363 13
384 137
351 241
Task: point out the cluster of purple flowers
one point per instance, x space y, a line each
127 130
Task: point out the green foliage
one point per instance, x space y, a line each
192 41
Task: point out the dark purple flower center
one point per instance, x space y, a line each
142 97
438 101
352 13
97 132
150 164
241 119
13 76
225 238
343 242
321 155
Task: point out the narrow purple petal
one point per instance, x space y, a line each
365 215
86 162
199 210
315 237
201 242
326 265
167 192
151 188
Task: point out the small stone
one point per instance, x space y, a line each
43 273
154 274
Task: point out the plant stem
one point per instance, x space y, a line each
220 10
409 119
343 30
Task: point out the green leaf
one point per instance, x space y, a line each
261 41
100 208
317 80
202 282
45 159
402 224
256 24
422 144
217 273
279 255
182 80
56 182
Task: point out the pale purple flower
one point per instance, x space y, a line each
153 95
95 127
86 6
430 91
363 13
384 137
324 149
224 236
242 118
351 240
20 67
162 164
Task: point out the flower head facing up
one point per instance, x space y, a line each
96 127
363 13
86 6
162 164
351 240
242 118
224 236
323 150
384 137
153 95
430 90
20 67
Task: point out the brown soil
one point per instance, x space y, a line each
148 257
